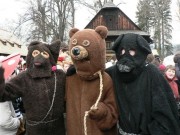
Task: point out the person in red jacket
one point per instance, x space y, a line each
170 75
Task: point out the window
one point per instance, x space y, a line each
108 45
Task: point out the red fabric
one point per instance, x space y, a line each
10 63
60 58
174 86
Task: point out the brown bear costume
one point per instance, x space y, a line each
90 101
41 89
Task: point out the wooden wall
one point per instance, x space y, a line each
113 19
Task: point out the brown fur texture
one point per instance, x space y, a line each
95 60
37 88
87 50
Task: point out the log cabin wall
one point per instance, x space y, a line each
117 23
113 19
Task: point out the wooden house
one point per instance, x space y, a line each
117 23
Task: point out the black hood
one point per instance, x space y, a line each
130 66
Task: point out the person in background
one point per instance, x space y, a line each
150 58
60 63
177 64
18 103
63 56
108 64
170 75
64 59
111 62
157 60
66 65
20 114
9 123
24 65
162 68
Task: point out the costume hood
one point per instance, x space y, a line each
40 66
130 66
87 50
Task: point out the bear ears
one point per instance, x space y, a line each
73 31
101 30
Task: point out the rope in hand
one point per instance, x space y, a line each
96 103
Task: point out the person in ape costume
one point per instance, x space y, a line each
145 99
42 89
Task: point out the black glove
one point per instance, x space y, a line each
71 70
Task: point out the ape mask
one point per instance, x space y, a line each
41 57
131 52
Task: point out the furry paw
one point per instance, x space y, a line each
2 81
99 112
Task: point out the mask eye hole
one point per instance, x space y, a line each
35 53
86 43
132 52
45 54
123 51
74 42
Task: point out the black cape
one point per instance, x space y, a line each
146 104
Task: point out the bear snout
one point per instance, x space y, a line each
79 53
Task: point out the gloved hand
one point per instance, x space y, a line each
99 112
71 70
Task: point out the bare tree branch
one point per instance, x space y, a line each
178 12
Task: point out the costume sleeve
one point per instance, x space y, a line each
2 82
7 119
164 110
13 88
108 105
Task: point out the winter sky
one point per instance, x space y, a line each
10 8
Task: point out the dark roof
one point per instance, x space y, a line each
119 32
109 5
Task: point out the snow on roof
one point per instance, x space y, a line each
10 37
9 44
